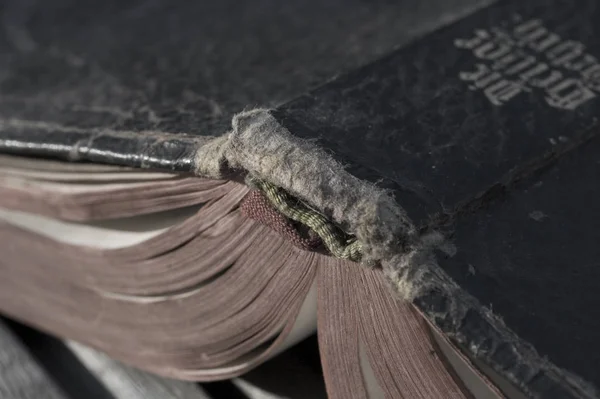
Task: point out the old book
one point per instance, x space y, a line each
428 209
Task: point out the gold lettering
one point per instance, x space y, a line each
526 62
491 51
565 52
507 50
586 61
548 81
480 71
545 43
477 40
527 26
569 94
502 91
505 61
533 36
536 70
591 77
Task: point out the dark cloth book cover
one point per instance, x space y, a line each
484 130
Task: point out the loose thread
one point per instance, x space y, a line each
336 241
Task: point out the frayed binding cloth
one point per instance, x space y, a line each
260 147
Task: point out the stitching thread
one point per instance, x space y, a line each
337 242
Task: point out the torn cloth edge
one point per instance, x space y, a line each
258 144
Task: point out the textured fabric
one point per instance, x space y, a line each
257 207
259 145
337 242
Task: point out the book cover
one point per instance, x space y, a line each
460 168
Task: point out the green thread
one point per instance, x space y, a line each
335 240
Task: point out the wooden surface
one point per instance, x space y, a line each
34 365
21 377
